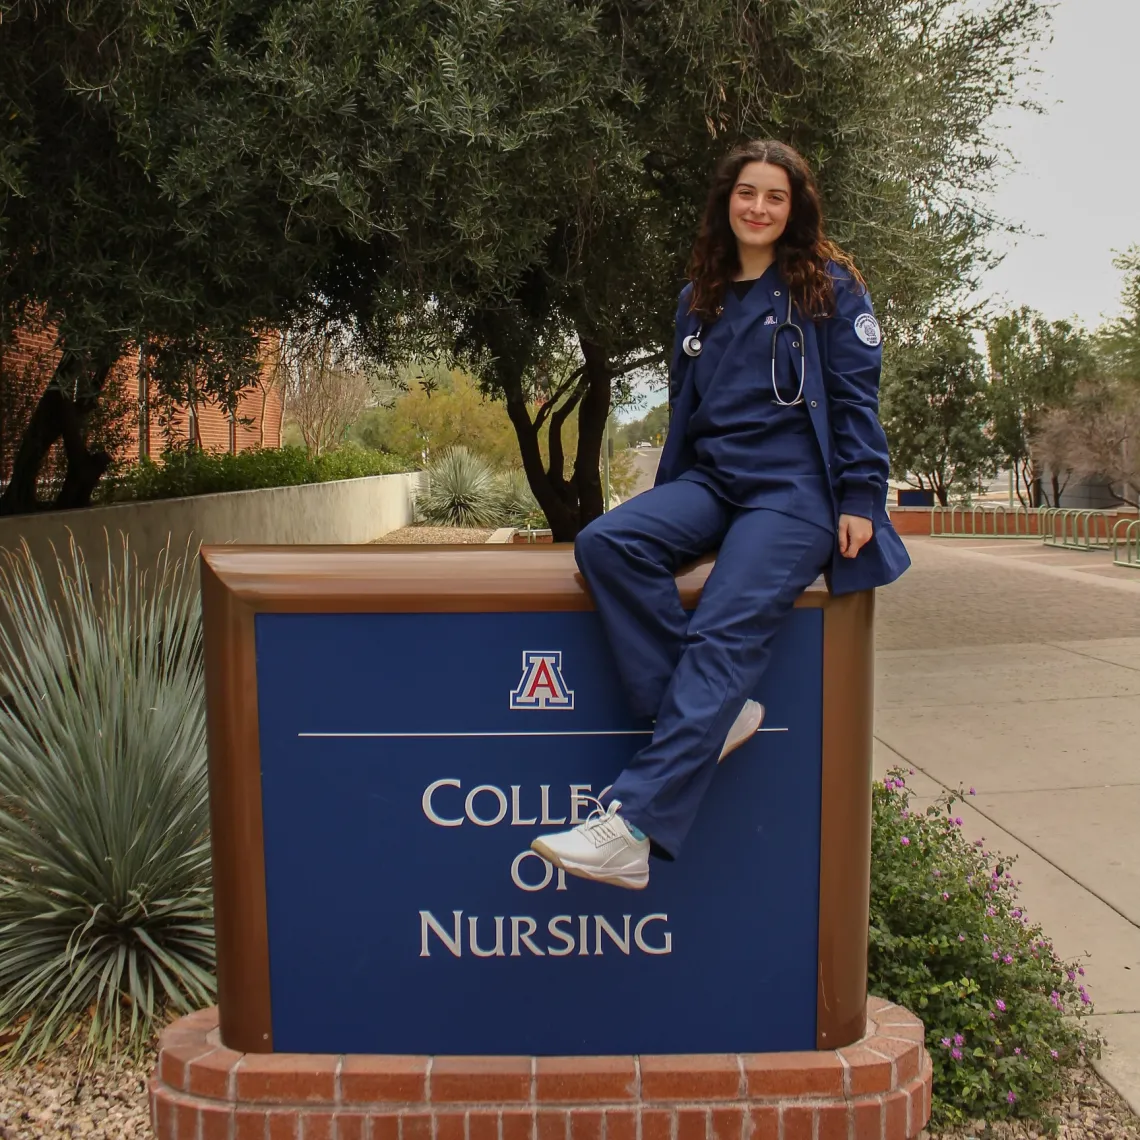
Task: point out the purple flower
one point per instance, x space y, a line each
1011 1096
1054 1054
1055 999
985 938
1000 1004
905 814
945 896
972 792
959 1039
957 821
1081 971
1072 975
937 873
905 841
1008 959
1017 1051
1016 913
991 1015
961 938
977 843
945 1043
990 912
1085 999
996 955
956 1054
911 770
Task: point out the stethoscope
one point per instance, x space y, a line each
692 347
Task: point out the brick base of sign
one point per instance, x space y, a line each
876 1089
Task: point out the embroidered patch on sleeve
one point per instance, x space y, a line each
867 329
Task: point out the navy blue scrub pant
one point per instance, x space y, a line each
692 673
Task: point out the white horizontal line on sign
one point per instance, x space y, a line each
445 735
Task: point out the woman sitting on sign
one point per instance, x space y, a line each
776 456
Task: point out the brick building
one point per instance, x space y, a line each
131 422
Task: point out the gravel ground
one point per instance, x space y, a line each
110 1103
53 1099
417 535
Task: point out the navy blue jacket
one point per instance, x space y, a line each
841 393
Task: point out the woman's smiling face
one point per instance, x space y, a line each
760 204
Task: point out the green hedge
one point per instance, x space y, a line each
950 941
205 473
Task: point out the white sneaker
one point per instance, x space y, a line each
743 728
602 849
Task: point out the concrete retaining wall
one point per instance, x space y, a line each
344 511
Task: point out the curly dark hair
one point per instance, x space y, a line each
802 251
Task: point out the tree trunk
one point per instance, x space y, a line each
559 513
61 415
592 416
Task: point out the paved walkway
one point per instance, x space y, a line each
1016 669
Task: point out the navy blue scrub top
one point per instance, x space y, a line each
751 451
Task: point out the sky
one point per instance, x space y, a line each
1076 186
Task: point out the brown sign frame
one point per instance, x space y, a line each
239 582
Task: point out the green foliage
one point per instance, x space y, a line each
654 424
934 411
94 243
949 942
1034 368
462 491
520 507
572 145
1118 341
197 472
106 914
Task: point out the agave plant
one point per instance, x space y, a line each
519 504
462 491
106 915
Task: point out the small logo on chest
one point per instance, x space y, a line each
770 319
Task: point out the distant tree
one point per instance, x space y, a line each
1118 340
1034 365
440 408
1097 436
934 411
325 387
651 428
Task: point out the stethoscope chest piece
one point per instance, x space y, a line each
692 345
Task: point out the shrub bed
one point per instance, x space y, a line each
950 941
197 472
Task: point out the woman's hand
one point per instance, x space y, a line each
854 533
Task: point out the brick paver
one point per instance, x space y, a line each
960 593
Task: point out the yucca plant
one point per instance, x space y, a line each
462 491
106 915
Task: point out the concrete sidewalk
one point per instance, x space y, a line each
1015 668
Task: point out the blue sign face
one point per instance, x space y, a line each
408 760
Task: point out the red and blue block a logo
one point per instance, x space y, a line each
542 685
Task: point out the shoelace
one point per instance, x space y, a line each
599 825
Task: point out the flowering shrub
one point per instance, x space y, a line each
949 941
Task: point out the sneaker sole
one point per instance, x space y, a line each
629 882
729 749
